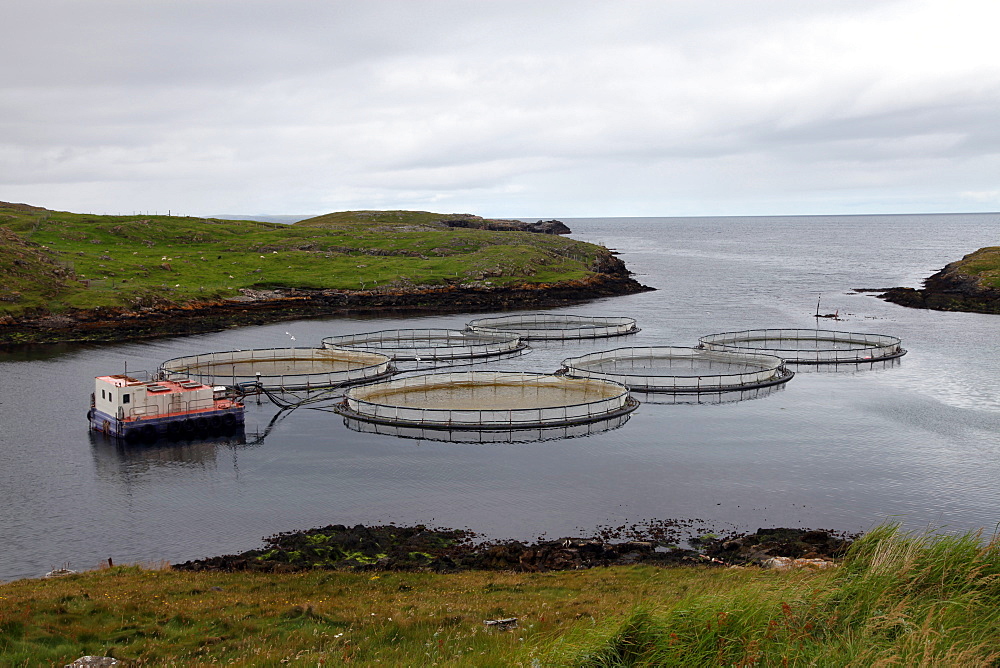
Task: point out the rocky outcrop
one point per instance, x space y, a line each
779 543
541 227
952 289
399 548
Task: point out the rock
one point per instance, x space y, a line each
951 289
784 543
549 227
788 564
93 662
541 227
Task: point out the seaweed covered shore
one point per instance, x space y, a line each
419 548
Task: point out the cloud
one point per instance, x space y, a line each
513 108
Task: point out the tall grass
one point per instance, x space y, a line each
900 599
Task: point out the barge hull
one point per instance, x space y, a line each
187 425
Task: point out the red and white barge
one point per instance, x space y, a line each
137 410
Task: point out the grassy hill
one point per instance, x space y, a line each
57 261
386 218
982 265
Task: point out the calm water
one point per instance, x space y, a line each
917 441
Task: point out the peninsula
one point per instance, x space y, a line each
971 284
82 277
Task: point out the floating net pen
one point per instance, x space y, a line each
680 370
486 400
428 344
554 327
282 368
467 435
808 346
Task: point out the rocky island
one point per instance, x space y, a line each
971 284
82 277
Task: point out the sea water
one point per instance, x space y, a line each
916 441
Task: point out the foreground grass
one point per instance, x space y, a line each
899 599
51 261
157 617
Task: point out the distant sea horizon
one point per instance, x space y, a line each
288 219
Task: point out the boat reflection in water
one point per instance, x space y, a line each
114 452
529 435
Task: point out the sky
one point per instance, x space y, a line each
501 108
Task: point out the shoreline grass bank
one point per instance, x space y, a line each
898 599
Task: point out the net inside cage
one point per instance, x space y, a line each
678 369
808 346
428 344
549 326
485 399
292 368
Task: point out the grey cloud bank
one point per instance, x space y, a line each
501 108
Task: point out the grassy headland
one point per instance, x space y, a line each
897 599
87 268
970 284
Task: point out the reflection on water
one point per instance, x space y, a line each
848 367
115 454
729 397
488 435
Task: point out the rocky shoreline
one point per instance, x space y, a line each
257 307
419 548
950 289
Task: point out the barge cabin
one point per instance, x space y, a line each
136 410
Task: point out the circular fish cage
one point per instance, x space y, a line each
281 368
808 346
428 344
680 370
526 435
486 400
554 327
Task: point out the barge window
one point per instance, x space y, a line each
125 398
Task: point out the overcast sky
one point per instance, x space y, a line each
501 108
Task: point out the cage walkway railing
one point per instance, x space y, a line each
808 346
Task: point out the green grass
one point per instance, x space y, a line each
161 617
80 261
899 600
984 264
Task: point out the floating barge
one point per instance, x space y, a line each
137 410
